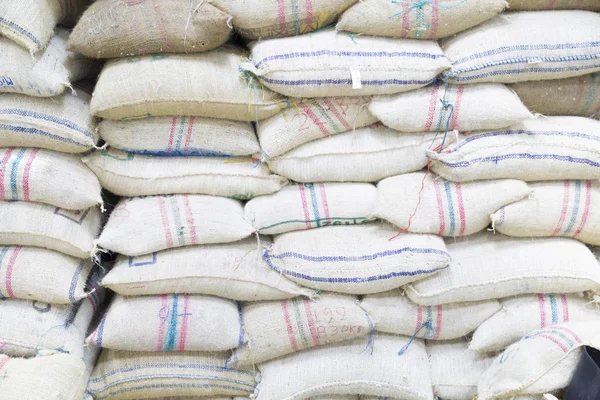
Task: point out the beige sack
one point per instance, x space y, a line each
591 5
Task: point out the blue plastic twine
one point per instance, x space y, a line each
425 324
445 106
371 340
420 4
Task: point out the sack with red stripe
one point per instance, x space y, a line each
277 328
524 314
393 312
425 203
591 5
557 208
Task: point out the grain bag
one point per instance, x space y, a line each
526 46
312 119
328 63
181 136
356 259
367 155
350 368
489 266
312 205
555 208
443 207
439 107
591 5
276 328
521 315
42 225
144 225
544 148
428 20
205 85
394 313
124 375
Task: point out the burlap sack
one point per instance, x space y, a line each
555 208
330 204
467 107
356 259
112 29
491 266
311 119
443 207
526 46
355 367
367 155
141 226
276 328
429 20
235 271
591 5
124 375
181 136
129 174
394 313
41 225
205 85
521 315
328 63
538 149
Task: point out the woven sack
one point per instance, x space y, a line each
367 155
543 148
430 20
181 136
208 84
555 208
125 375
491 266
276 328
307 206
356 259
526 46
141 226
394 313
438 107
443 207
328 63
591 5
42 225
312 119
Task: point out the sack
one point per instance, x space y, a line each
276 328
394 313
464 107
516 47
521 315
206 85
144 225
42 225
491 266
442 207
356 259
431 20
571 96
181 136
554 209
350 368
544 148
312 119
328 63
367 155
330 204
256 19
123 375
591 5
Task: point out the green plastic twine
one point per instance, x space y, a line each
445 106
420 4
251 81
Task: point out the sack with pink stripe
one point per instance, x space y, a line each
144 225
462 107
524 314
554 209
277 328
392 312
312 205
591 5
443 207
